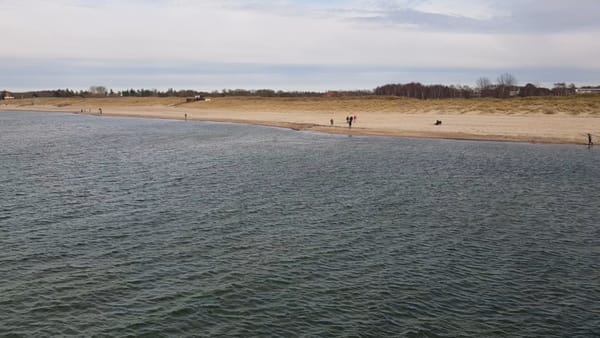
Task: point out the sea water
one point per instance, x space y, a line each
116 226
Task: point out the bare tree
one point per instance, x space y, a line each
560 89
506 80
483 83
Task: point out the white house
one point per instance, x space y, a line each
588 90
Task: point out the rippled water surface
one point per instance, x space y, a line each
113 226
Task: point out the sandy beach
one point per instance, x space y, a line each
529 121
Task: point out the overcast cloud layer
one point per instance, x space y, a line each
311 44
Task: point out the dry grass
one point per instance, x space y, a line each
576 105
572 105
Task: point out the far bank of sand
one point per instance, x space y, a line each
384 117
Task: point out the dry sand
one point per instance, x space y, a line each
385 117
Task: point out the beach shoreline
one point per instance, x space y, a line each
511 126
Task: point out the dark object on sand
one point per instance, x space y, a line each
590 139
438 122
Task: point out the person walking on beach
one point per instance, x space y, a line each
331 122
590 143
350 122
185 116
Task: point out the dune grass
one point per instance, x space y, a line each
587 105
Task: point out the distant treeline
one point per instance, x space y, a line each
504 87
420 91
99 91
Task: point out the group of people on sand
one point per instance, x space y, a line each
349 120
89 110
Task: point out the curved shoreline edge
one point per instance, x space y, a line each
170 114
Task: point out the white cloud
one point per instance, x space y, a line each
479 10
403 33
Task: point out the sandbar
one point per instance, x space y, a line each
397 121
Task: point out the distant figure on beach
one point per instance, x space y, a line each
354 118
437 122
331 122
590 143
350 122
185 116
100 111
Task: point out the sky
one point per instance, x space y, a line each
294 44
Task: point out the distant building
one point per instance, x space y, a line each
588 90
197 98
6 96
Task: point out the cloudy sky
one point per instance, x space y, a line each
294 44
